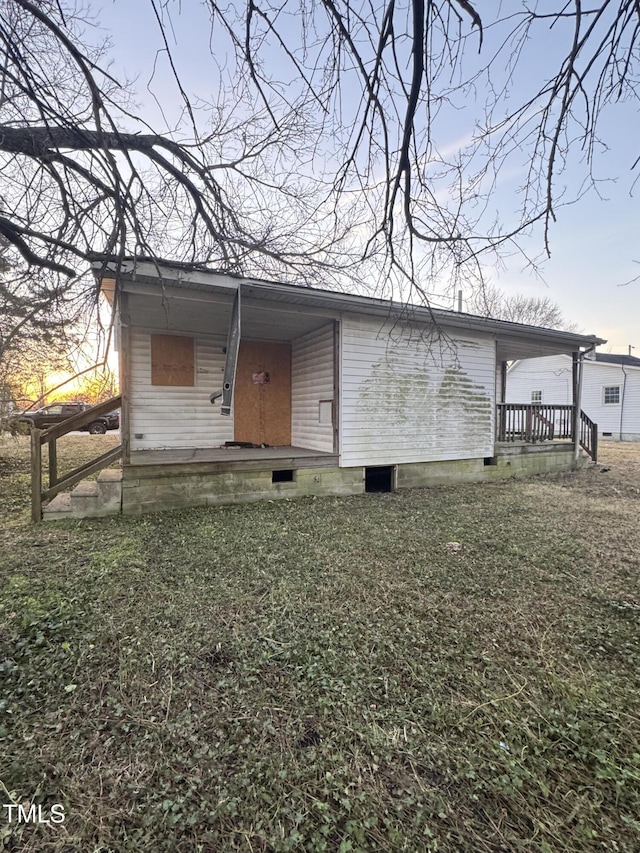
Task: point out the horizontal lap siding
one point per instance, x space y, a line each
311 381
631 415
172 416
552 375
612 417
404 399
596 376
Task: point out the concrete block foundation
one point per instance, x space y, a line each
176 491
511 460
171 489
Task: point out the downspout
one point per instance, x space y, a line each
624 387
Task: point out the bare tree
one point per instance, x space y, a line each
433 101
533 310
346 120
94 387
84 180
25 371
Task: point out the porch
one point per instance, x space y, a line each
533 423
530 438
143 463
173 479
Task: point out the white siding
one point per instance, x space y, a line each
170 416
553 375
596 376
405 398
614 417
631 416
311 381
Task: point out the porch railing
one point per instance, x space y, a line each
50 436
533 422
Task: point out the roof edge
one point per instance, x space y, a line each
183 274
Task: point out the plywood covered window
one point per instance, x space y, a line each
172 360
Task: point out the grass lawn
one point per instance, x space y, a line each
326 674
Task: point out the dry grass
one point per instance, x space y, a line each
326 674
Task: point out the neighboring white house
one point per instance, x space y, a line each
610 389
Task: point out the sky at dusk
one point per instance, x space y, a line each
595 243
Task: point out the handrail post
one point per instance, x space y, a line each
53 462
578 361
36 475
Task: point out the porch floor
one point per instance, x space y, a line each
252 457
548 443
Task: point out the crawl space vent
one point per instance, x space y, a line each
379 479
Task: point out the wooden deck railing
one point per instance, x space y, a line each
50 436
533 422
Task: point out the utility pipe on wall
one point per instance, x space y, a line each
624 388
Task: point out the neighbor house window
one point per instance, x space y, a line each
536 396
611 394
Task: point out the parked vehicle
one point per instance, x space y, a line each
48 416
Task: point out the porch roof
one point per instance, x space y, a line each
514 340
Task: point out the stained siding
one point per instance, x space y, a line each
405 399
169 417
311 381
553 374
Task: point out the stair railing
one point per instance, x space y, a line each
589 436
50 436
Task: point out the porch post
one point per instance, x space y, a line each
36 475
125 372
336 386
500 434
503 381
577 401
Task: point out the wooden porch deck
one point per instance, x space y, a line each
143 463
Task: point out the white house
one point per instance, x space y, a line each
235 389
610 389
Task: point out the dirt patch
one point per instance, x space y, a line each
617 472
